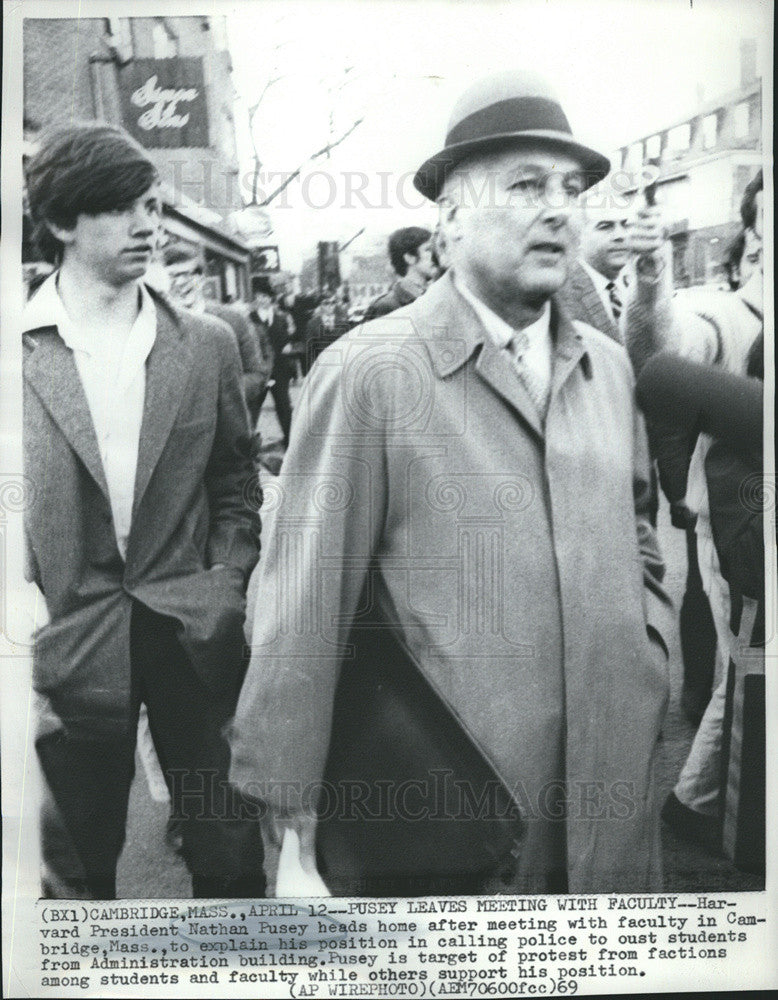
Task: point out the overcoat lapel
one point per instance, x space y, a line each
569 349
495 369
167 373
456 326
52 374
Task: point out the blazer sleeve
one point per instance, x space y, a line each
253 373
326 513
230 477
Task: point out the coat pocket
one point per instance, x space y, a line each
81 664
210 607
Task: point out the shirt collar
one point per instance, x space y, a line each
499 331
46 308
600 281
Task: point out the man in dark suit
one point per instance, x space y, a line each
186 289
141 539
272 326
410 251
593 292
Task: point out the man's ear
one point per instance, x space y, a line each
63 234
410 259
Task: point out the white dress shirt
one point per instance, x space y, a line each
115 388
537 357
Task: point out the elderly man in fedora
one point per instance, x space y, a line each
468 478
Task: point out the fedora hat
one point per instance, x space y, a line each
513 108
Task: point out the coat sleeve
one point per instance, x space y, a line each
325 514
253 373
653 320
659 608
234 522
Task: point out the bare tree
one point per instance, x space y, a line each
326 149
334 91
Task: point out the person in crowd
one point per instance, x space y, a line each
324 328
594 293
673 450
472 477
141 542
742 258
700 398
272 328
300 307
716 328
185 273
410 252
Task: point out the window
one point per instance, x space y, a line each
119 35
634 160
165 44
653 147
740 120
710 130
678 139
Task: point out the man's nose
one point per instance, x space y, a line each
619 233
559 202
143 219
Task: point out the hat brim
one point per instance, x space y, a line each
431 174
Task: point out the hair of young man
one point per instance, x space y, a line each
84 168
748 204
733 257
404 241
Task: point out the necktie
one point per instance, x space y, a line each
537 391
615 299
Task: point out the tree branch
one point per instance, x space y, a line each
314 156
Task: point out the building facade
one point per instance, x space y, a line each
168 81
705 160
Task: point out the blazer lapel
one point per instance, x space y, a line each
592 303
51 372
167 373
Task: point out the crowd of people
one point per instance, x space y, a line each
453 672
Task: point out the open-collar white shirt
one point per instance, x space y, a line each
538 356
115 388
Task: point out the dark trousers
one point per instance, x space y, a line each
698 636
280 393
89 779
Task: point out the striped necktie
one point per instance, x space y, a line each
615 299
536 389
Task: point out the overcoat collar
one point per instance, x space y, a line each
457 333
51 372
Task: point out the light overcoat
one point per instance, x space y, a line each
515 561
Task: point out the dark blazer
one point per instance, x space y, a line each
397 297
583 303
254 375
277 333
190 512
